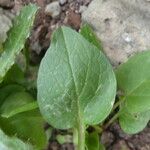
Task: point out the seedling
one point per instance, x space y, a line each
77 86
76 89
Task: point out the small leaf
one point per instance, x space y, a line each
16 103
133 79
62 139
1 48
24 108
87 32
22 118
12 143
16 38
93 142
76 83
8 90
133 123
27 126
14 76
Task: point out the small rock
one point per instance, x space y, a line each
68 146
122 25
116 128
40 3
120 145
73 19
107 138
54 145
40 39
62 2
82 9
131 145
53 9
86 2
5 25
7 3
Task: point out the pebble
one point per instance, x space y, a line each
5 25
53 9
115 127
82 9
62 2
124 30
120 145
107 138
7 3
73 19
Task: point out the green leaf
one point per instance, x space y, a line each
27 126
16 38
14 76
101 147
133 123
76 83
62 139
133 79
1 48
24 108
93 142
24 120
87 32
8 90
17 103
12 143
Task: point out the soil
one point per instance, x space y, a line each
113 138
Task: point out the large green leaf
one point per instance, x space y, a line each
133 79
16 103
27 126
16 38
133 123
87 32
12 143
76 83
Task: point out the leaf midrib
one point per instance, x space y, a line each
79 120
132 91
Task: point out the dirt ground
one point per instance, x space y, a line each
113 138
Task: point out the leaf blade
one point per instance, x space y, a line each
134 80
27 126
8 90
87 32
93 142
16 38
133 123
12 143
16 103
69 75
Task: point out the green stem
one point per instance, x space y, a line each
81 135
98 129
117 104
117 114
111 120
75 138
